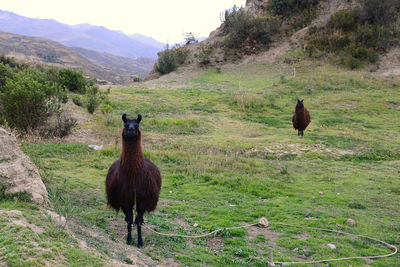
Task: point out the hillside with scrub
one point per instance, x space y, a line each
221 134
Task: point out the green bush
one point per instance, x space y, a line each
181 54
243 28
28 99
166 62
296 13
380 12
353 63
345 19
92 98
72 80
288 7
5 74
77 100
170 59
205 56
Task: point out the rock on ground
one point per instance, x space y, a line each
17 172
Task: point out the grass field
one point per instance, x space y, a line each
228 154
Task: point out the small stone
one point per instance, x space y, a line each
351 222
339 225
170 192
331 246
195 225
295 250
263 222
321 193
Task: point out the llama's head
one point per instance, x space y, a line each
300 103
131 127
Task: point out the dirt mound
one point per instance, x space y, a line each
17 172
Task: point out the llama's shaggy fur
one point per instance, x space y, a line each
133 178
301 118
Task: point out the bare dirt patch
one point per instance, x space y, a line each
389 64
16 218
215 243
280 150
255 231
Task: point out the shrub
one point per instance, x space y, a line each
242 27
92 99
77 100
288 7
190 38
205 56
166 62
72 80
345 19
353 63
28 99
106 108
379 11
170 59
297 13
181 54
61 127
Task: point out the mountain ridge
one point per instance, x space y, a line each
37 50
84 35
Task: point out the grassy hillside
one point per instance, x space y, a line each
43 51
227 151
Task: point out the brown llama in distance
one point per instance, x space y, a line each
133 179
301 118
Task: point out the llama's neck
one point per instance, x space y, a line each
132 159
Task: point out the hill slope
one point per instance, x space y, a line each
83 35
39 50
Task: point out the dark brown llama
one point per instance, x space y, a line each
133 179
301 118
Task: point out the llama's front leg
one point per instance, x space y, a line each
298 133
302 132
138 222
129 219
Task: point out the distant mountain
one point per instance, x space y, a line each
126 66
148 40
96 38
97 65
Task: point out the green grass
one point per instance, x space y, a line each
228 155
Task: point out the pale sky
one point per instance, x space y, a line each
164 20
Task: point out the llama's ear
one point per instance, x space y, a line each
302 100
124 118
298 100
139 118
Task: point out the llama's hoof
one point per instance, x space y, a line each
140 245
129 241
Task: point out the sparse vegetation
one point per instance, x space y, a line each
296 13
358 34
243 29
